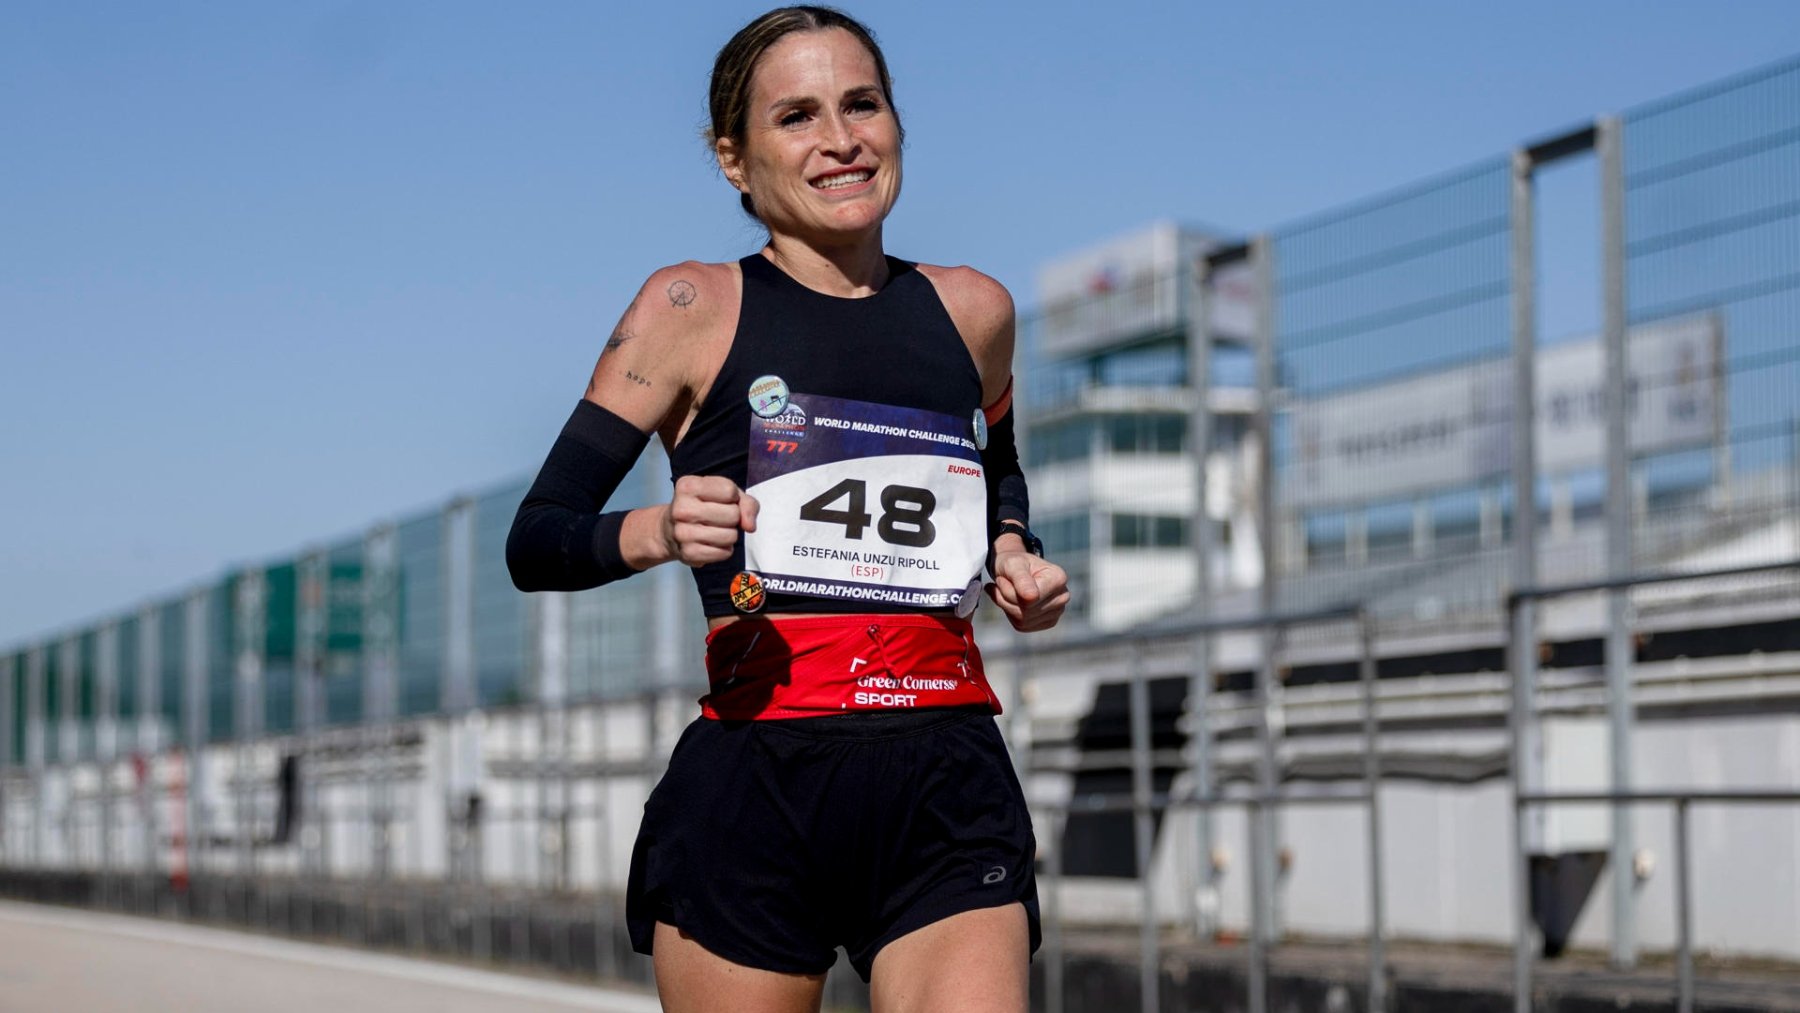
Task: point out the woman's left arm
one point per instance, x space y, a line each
1030 590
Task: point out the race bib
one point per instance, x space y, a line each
866 502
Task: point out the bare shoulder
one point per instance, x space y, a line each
677 297
978 304
982 310
658 354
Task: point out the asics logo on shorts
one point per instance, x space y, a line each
995 876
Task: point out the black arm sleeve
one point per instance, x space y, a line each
559 540
1007 498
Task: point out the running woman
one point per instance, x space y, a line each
840 429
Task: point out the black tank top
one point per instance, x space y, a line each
896 347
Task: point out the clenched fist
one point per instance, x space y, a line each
702 522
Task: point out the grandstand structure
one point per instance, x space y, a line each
1345 527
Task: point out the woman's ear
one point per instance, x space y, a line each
726 151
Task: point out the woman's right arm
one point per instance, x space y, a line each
645 380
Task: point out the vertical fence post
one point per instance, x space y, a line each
106 744
1143 823
310 650
1619 696
1199 358
552 699
1268 782
1262 859
381 624
248 662
69 752
1256 950
1684 913
1053 916
1372 786
37 744
194 726
457 701
147 741
1520 611
1520 648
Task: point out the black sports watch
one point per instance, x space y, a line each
1033 544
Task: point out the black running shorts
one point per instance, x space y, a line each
772 843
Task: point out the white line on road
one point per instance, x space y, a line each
429 972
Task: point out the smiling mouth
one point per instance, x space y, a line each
838 181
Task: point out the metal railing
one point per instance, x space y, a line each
1522 665
1682 800
1143 803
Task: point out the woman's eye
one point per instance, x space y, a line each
864 105
792 118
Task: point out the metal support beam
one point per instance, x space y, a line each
1619 703
457 689
148 740
1262 859
249 604
1143 825
1202 914
194 721
1521 614
1684 913
37 741
381 663
1372 787
551 739
106 737
310 645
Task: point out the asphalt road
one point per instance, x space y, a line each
56 960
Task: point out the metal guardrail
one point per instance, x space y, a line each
1522 666
1143 803
1682 800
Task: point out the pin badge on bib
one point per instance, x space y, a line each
746 592
768 396
981 429
971 597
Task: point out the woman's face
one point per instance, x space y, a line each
821 152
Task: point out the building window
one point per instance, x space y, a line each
1063 535
1146 434
1158 364
1148 531
1059 441
1326 533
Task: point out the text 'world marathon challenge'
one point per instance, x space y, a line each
786 585
886 430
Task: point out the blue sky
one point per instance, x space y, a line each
269 273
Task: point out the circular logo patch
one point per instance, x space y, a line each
746 592
981 429
971 597
768 396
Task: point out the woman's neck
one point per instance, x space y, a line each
850 271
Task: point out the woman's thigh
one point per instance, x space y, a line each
691 979
974 962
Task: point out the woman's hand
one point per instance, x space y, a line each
701 524
1032 591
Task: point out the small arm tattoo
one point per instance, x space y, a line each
682 293
619 337
637 379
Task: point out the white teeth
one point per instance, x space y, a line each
847 179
